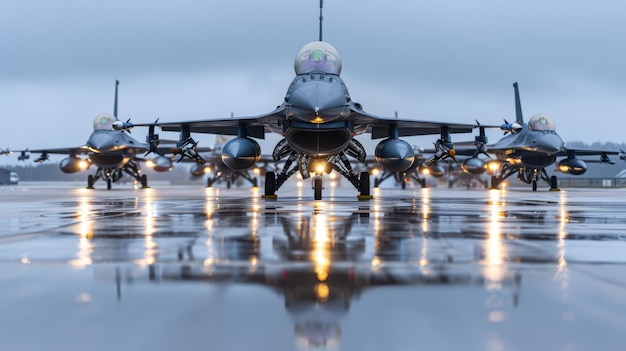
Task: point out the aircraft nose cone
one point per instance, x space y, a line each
101 142
549 143
318 101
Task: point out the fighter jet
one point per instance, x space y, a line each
417 172
319 120
113 152
6 151
219 172
526 150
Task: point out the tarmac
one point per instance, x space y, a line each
183 267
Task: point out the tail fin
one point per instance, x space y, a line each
518 106
117 82
221 140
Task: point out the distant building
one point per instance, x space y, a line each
7 177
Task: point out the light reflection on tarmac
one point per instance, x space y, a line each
187 268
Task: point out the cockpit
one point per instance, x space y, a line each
541 122
318 56
104 121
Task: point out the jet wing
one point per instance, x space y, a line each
468 149
256 126
81 150
379 126
588 152
273 121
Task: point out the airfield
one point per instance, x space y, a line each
191 268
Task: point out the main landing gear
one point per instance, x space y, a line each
400 177
527 175
315 166
231 178
111 176
362 183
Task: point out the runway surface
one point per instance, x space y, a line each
189 268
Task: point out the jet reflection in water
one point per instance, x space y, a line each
319 259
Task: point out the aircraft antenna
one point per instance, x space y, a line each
117 82
321 18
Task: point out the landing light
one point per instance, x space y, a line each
319 168
83 165
425 171
207 170
493 166
257 171
150 163
375 171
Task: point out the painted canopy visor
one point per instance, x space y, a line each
541 122
104 121
317 56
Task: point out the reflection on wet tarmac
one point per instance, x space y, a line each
481 265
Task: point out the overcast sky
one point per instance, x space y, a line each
444 60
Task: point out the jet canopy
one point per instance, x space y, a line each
541 122
317 56
104 121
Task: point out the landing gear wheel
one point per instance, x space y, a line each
364 184
534 185
317 188
144 181
403 184
255 182
90 181
376 182
553 182
109 184
423 183
209 182
270 183
494 182
228 184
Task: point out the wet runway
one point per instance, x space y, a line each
189 268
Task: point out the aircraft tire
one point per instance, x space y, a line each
553 182
255 182
270 183
228 184
364 183
144 181
109 184
90 181
317 187
534 185
403 184
494 182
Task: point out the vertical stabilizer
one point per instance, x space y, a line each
117 82
221 140
518 106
